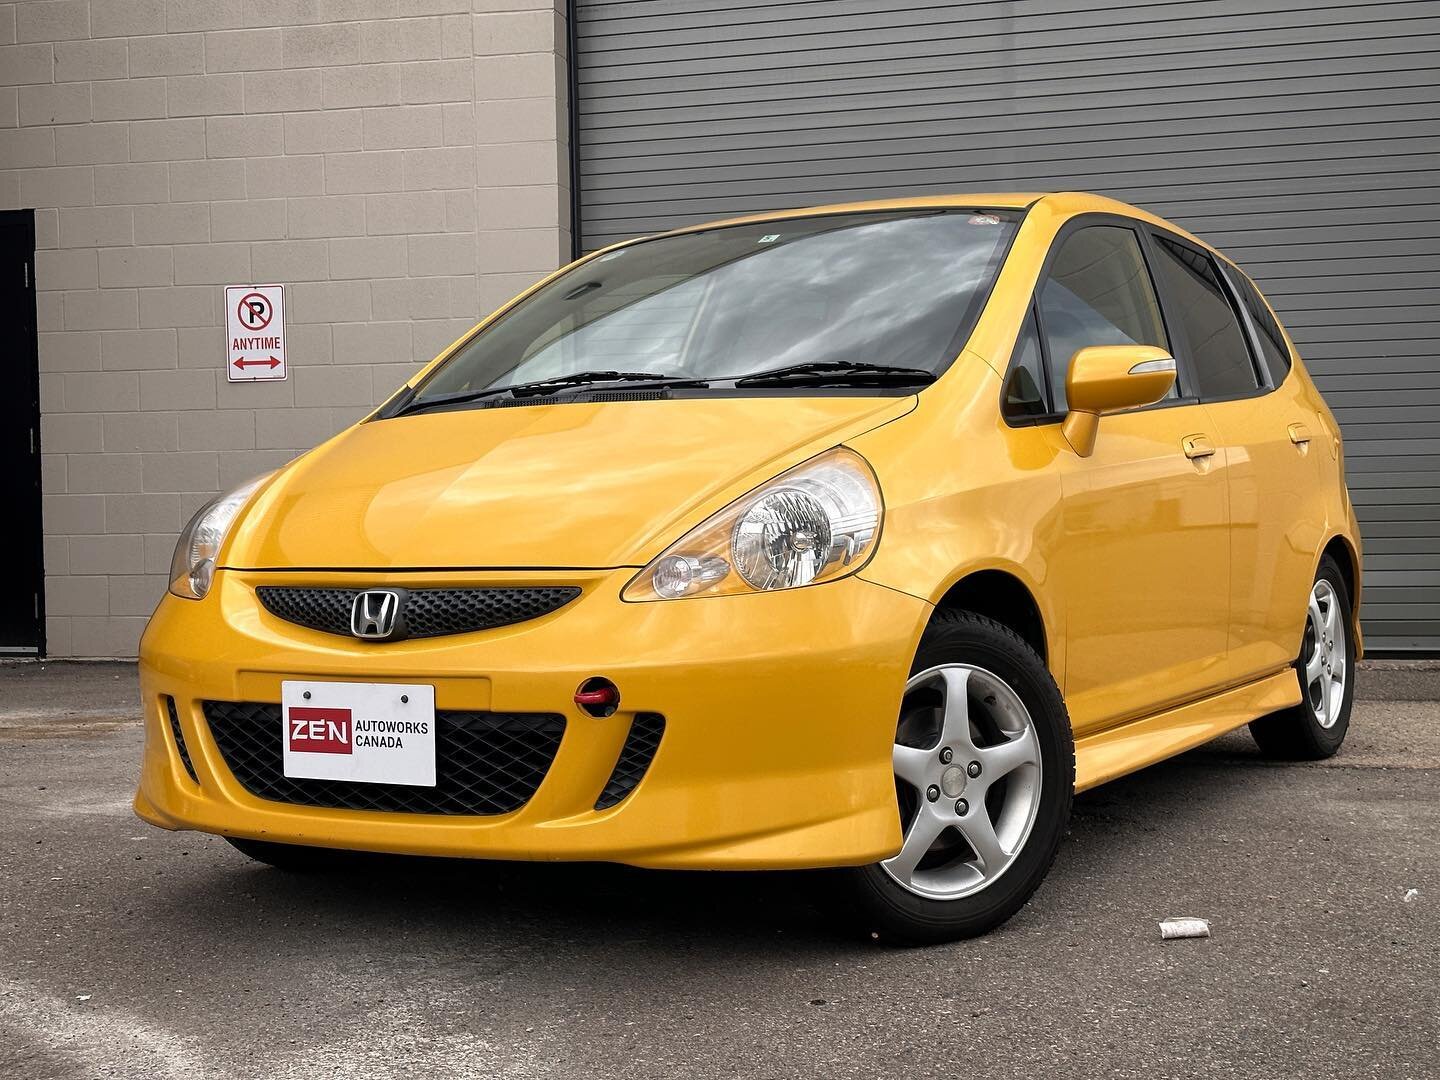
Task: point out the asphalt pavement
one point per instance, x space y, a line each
126 951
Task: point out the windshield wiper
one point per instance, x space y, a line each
584 378
541 387
839 373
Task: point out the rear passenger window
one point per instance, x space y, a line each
1218 353
1025 385
1267 331
1098 292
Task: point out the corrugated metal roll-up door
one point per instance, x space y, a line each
1301 139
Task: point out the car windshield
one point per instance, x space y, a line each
893 290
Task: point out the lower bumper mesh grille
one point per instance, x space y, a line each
485 763
646 731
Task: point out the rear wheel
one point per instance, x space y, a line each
1316 727
984 775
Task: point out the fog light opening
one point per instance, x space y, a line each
598 697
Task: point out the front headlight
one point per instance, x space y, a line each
817 522
193 567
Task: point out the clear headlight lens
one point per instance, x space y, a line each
193 567
815 523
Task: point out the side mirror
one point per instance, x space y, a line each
1108 379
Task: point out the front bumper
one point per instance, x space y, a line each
780 714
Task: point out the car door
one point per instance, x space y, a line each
1273 441
1142 561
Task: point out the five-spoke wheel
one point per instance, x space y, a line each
968 770
984 772
1325 654
1316 727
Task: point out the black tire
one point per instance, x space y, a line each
1295 734
891 912
293 858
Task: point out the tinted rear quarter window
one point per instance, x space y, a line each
1196 298
1273 349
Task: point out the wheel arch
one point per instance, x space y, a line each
1347 559
1003 596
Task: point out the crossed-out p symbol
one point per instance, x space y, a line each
255 311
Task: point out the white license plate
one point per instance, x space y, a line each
375 733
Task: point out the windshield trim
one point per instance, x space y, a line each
966 327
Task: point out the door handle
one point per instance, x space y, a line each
1197 446
1299 434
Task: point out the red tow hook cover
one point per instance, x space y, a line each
605 695
598 697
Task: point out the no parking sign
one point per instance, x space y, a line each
255 333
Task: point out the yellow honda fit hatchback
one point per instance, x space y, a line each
859 536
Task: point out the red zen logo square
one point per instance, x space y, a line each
319 731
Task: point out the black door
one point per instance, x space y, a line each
22 602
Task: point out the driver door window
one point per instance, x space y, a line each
1097 292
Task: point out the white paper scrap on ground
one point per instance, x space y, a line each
1183 928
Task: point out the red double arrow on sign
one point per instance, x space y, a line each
272 362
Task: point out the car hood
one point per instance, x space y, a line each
565 485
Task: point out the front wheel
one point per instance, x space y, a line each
984 775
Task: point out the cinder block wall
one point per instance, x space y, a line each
399 165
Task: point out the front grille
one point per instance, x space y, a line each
485 763
635 757
423 612
179 737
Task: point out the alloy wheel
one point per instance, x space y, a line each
967 773
1323 655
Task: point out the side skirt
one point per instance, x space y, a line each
1107 754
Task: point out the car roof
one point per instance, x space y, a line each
1062 203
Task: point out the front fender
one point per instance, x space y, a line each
965 492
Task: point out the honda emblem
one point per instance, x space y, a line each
374 614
